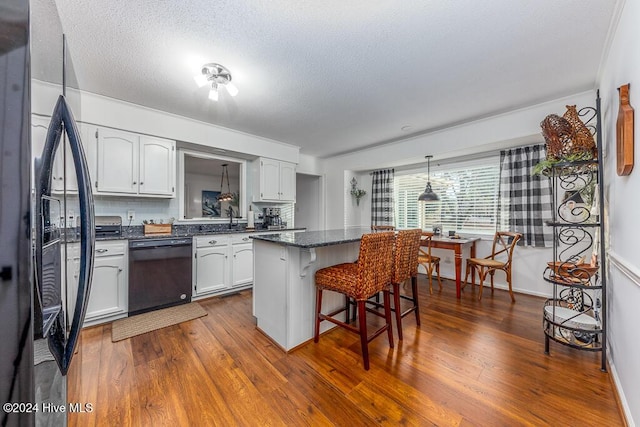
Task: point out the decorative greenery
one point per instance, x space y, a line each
545 166
358 193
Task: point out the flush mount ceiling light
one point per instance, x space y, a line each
217 76
428 195
228 196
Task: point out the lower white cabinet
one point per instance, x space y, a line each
222 263
109 288
210 264
108 298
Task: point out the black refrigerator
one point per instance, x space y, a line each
43 178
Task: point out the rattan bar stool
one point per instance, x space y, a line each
370 275
406 267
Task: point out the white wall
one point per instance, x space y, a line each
622 66
308 206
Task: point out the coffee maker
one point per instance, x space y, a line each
272 219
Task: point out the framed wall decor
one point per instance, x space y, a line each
624 133
210 203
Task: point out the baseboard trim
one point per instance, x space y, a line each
623 405
503 287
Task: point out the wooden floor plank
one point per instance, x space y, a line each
470 363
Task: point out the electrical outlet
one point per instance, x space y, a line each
131 215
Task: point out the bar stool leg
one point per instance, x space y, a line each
387 315
318 308
397 309
414 293
364 343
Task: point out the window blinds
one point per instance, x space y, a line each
468 199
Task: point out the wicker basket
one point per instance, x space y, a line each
558 134
583 141
567 136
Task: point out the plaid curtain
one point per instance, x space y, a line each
382 197
525 200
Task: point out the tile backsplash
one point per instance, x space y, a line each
157 209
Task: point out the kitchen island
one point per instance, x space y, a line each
284 288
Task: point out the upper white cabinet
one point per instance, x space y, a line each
131 164
39 127
276 181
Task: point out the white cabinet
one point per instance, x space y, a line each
157 166
70 272
242 261
39 127
109 288
117 162
222 263
108 298
127 163
210 264
276 181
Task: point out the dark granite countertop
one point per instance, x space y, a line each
137 232
315 239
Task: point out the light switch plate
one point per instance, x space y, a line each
131 215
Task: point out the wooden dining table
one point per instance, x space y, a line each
456 245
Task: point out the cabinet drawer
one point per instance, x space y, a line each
212 240
110 248
241 238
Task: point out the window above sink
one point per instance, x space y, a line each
202 177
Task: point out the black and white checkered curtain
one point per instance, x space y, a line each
382 197
525 200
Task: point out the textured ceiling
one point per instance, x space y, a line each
335 76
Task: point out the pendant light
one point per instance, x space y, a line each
428 195
228 196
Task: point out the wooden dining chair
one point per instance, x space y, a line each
429 262
504 242
360 281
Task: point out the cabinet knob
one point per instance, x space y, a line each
245 239
141 183
101 251
134 183
213 242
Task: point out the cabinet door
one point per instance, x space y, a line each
71 271
211 269
39 127
287 181
117 162
157 166
108 289
269 179
242 264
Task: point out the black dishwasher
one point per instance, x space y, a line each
159 273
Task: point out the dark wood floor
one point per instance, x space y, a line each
470 363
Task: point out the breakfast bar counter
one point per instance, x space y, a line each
284 289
